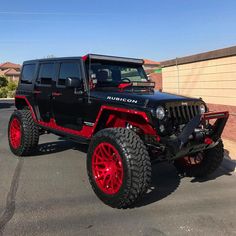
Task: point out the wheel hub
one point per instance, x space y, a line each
15 133
193 160
107 168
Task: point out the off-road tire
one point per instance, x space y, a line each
29 133
212 159
136 164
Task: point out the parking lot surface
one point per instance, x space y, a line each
49 194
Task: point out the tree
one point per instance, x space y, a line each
3 81
12 86
3 92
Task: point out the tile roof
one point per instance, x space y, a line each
12 72
150 62
8 65
2 72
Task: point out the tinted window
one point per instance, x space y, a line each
71 70
28 73
46 72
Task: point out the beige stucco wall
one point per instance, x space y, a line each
213 80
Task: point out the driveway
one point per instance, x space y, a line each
49 194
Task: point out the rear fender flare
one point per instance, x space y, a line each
21 102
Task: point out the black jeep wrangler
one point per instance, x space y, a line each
110 103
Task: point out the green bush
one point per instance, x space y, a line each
3 81
12 86
11 94
3 92
9 90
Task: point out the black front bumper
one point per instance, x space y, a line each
193 139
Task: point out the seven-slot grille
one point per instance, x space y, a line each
182 112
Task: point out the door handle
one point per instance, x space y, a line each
36 92
56 94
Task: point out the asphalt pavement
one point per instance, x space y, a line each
49 194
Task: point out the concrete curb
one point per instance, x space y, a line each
229 164
5 99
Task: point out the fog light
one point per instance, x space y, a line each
162 128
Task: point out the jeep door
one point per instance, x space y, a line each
68 103
43 90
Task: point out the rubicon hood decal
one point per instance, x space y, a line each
120 99
149 99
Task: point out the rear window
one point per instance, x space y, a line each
28 73
68 70
46 72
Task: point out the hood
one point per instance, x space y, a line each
143 99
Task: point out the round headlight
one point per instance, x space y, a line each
202 108
160 113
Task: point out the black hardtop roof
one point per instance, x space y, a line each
51 59
114 58
88 57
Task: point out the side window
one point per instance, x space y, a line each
68 69
46 71
28 73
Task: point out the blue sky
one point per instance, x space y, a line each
152 29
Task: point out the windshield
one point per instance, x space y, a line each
112 74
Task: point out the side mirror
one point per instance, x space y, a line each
73 82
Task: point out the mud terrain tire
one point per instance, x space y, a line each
128 166
211 160
23 134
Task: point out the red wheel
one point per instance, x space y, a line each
107 168
119 168
15 133
23 134
193 160
201 164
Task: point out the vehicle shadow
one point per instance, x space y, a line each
228 166
229 162
59 146
218 173
165 180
